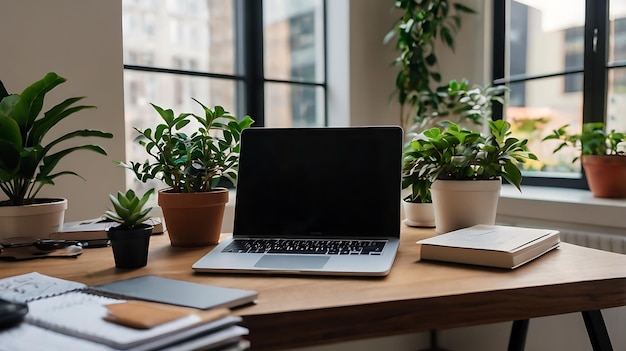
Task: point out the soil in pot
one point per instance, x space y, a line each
130 246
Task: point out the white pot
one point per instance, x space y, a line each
418 214
37 220
464 203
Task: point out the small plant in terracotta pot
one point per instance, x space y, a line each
130 239
602 157
192 166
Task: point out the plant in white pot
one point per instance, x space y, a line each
466 170
130 239
192 165
29 157
456 103
417 205
602 154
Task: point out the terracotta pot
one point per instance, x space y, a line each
38 220
606 175
418 214
464 203
130 246
193 219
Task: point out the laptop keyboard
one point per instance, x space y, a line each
308 246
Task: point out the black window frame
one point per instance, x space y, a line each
250 86
595 74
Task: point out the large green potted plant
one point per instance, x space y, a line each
602 157
421 25
29 157
466 168
192 166
130 238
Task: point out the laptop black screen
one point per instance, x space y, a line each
319 182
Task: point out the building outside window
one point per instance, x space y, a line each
262 58
565 63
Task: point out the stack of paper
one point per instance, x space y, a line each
62 311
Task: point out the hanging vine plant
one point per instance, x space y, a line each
422 24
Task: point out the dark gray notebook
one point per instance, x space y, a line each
176 292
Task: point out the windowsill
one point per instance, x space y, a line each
560 207
540 206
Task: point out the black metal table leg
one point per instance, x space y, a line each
517 341
596 329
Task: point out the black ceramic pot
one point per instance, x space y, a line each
130 246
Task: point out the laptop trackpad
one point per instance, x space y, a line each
291 262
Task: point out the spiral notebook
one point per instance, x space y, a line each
82 315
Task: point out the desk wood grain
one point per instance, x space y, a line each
294 311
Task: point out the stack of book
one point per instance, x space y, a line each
62 313
96 229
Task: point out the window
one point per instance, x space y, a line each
261 58
565 63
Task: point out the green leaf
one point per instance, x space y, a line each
31 100
52 117
10 132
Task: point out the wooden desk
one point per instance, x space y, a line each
294 311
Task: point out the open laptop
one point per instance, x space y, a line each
314 201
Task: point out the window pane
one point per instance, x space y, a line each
616 104
293 105
537 107
617 27
168 91
294 40
545 37
193 35
616 99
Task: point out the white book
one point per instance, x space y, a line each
490 245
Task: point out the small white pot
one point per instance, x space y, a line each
418 214
36 220
464 203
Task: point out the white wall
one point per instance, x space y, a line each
80 40
371 77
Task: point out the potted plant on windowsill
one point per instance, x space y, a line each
130 239
466 169
192 165
29 157
602 157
